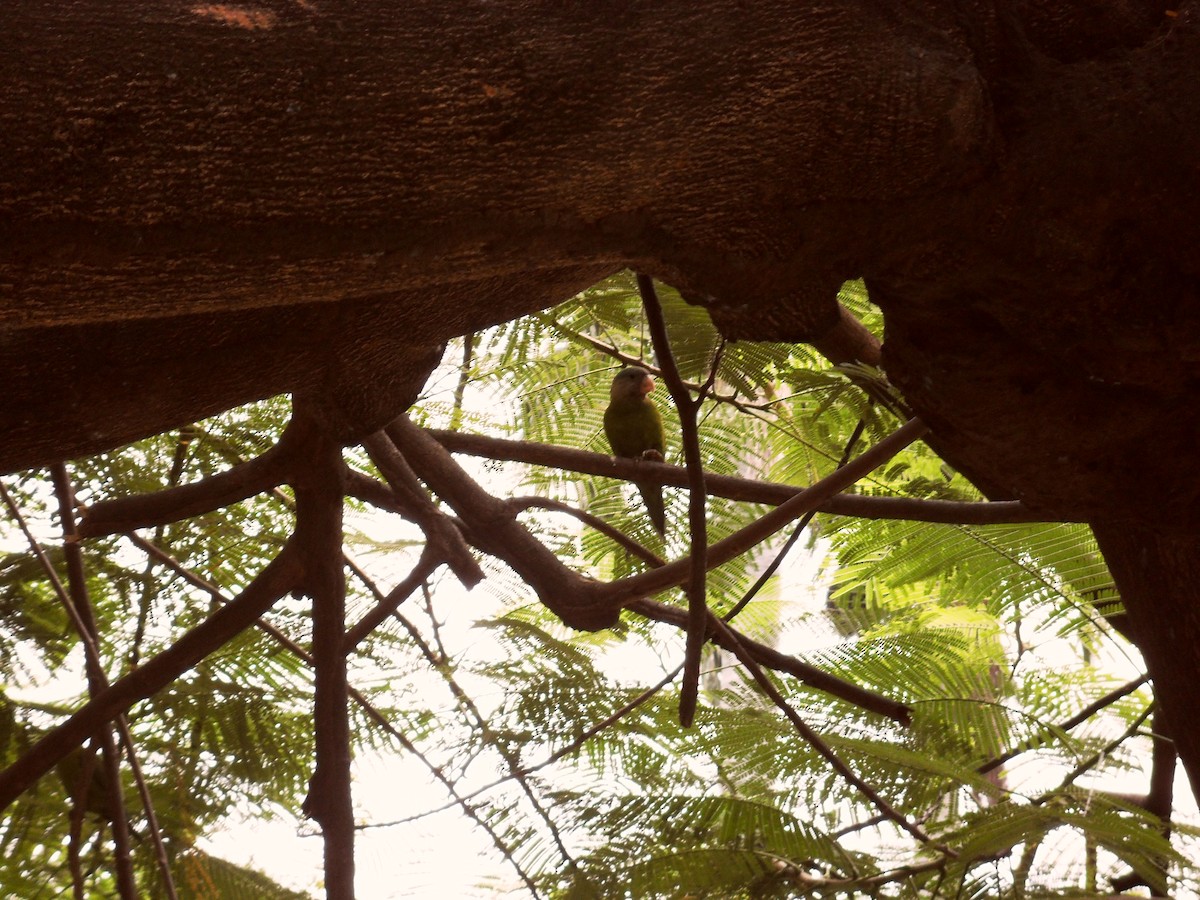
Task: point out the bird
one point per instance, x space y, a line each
635 431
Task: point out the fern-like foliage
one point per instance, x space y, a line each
563 748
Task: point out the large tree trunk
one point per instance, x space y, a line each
203 204
1156 571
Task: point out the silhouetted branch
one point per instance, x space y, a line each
696 585
387 605
492 527
590 605
255 476
438 527
280 576
318 539
79 607
949 512
370 490
581 602
773 659
814 740
801 503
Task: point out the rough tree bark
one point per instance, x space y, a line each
203 204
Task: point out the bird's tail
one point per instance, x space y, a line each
652 496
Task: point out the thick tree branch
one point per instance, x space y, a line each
849 341
749 490
439 529
318 540
581 602
363 487
578 601
255 476
696 588
798 505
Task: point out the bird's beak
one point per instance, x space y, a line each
647 385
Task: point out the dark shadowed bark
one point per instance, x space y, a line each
201 205
1156 573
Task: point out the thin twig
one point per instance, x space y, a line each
1080 717
464 376
797 530
520 504
814 740
1090 763
565 750
475 718
97 683
387 605
186 436
357 696
768 656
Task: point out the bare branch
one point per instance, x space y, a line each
773 659
849 341
805 501
280 576
751 491
439 529
387 605
578 601
814 740
581 602
697 588
318 539
80 604
363 487
1096 758
363 703
255 476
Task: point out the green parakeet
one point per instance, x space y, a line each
635 431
